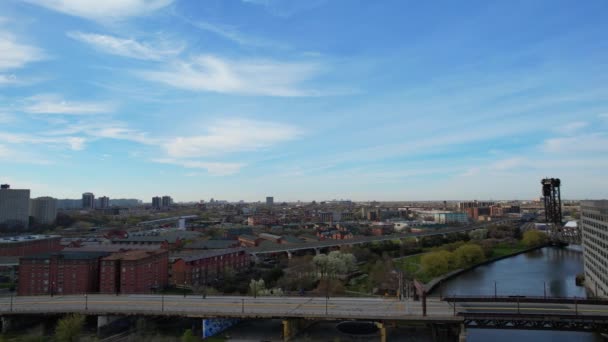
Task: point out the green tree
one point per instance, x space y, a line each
469 254
437 263
256 287
188 336
69 327
534 238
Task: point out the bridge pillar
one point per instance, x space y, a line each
289 255
104 320
292 327
462 337
317 251
6 324
382 327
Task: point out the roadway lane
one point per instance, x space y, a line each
229 306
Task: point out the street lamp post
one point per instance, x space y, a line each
162 302
184 289
11 302
52 288
495 292
86 302
545 288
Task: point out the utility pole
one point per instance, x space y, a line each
86 302
242 305
162 302
11 302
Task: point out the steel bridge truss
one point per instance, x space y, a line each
536 322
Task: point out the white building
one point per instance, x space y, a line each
594 229
44 210
14 206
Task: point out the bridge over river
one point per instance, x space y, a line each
457 313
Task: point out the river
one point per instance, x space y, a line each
549 269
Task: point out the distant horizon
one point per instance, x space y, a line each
304 99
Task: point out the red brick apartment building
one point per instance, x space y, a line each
198 268
29 245
134 271
59 273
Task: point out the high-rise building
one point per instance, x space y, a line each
44 210
156 202
88 201
594 224
269 201
104 202
14 207
167 201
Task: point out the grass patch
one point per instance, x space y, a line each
504 249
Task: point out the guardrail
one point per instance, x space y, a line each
527 299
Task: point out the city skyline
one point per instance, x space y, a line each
240 100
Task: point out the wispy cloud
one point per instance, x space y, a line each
214 168
55 104
587 143
128 47
286 8
251 77
229 136
15 54
105 130
572 127
233 34
73 142
103 10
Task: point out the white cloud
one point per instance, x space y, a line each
507 164
232 136
572 127
286 8
104 130
54 104
15 55
128 47
72 142
252 77
595 142
232 34
214 168
106 9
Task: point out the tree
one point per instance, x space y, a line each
188 336
437 263
68 328
478 234
534 238
256 287
469 254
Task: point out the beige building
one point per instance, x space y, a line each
594 229
44 210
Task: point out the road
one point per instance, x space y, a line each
280 307
233 306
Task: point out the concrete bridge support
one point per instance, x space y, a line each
382 327
105 320
293 326
289 255
7 323
462 337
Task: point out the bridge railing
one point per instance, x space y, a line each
527 299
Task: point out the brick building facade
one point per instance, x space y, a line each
29 245
134 271
197 268
60 273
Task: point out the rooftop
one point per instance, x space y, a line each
21 238
134 255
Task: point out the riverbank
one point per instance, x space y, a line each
431 285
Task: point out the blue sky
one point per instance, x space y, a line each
303 100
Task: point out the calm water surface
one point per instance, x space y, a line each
526 274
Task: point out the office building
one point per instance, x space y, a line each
14 207
135 271
44 210
88 201
594 229
156 202
104 202
167 201
270 201
447 217
61 273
